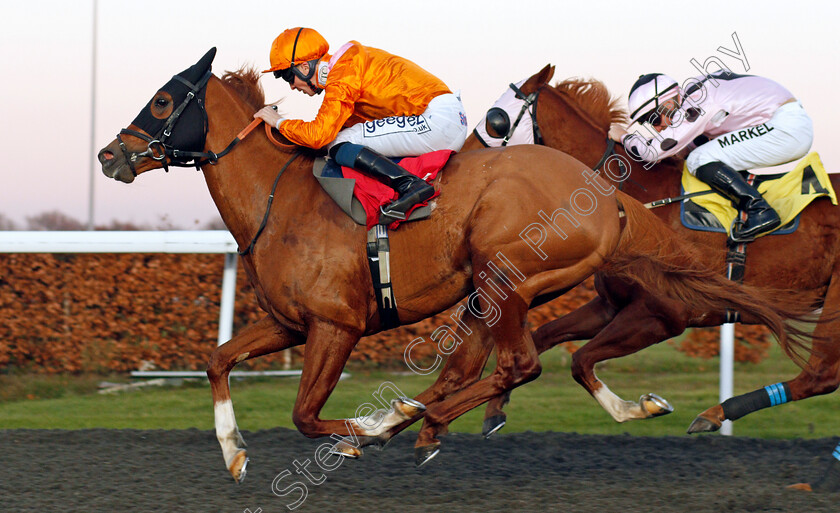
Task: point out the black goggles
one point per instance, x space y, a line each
654 117
655 101
286 74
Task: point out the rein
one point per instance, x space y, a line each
250 247
610 151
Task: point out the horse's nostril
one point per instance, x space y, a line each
107 155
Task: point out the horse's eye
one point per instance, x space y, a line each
161 102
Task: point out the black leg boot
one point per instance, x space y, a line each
761 218
411 189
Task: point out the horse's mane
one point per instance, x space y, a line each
593 97
246 83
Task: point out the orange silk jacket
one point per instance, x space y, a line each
363 84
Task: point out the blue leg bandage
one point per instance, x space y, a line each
779 394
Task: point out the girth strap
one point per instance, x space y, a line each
736 259
378 253
736 262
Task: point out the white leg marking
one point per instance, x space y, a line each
227 431
380 421
621 410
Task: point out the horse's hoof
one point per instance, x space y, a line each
830 480
407 407
655 406
346 450
423 455
702 425
493 424
802 487
238 466
382 443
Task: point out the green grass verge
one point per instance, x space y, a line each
553 403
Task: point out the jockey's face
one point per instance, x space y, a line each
299 85
666 112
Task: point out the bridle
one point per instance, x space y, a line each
157 148
529 101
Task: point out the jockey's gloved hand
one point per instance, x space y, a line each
617 132
269 115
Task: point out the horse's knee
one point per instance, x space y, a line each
217 366
534 371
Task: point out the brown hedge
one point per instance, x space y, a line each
102 313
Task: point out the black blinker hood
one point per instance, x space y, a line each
192 123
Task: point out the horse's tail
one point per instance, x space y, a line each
652 255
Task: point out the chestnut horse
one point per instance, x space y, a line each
574 116
306 259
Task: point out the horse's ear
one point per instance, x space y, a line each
205 62
197 70
546 74
537 80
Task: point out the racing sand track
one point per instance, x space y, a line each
100 470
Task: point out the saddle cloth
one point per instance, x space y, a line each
361 197
787 193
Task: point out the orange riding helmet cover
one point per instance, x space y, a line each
294 46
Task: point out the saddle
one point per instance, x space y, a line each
788 193
361 198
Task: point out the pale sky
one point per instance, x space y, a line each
477 47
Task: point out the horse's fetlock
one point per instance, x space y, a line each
305 424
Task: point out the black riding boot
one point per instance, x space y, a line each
411 189
761 217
